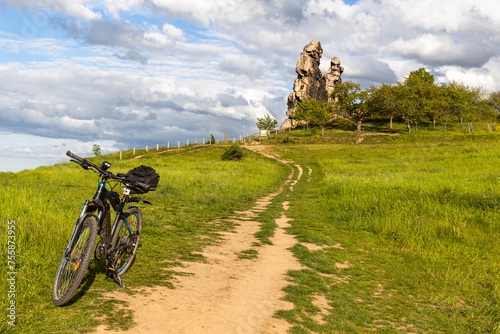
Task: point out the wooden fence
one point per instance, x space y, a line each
177 145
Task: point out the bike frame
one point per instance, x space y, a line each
101 203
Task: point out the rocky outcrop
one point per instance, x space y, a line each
333 77
311 82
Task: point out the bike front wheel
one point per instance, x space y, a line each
75 262
126 238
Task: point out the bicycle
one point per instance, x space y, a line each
118 242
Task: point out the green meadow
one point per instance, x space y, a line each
418 227
197 192
405 230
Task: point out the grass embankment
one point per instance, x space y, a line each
409 234
405 228
196 192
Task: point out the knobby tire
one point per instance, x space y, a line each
73 267
125 242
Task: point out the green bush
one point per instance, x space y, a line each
234 152
342 124
286 139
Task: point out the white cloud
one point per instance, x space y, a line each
207 12
137 72
75 8
471 77
114 7
443 49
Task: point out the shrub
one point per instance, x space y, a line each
233 152
286 139
96 150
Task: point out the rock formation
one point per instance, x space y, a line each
333 77
311 82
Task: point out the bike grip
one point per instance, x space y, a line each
74 156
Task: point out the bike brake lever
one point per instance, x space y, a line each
85 166
81 164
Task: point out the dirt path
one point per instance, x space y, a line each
226 294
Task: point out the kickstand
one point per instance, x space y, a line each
113 274
119 279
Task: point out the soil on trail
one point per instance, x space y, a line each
225 294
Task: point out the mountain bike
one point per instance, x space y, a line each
118 242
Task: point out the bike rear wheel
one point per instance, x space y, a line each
126 238
74 263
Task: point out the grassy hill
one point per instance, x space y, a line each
412 218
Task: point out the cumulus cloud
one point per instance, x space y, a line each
135 72
368 70
238 65
121 33
445 50
133 55
75 8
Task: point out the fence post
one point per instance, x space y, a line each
120 155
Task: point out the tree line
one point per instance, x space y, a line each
415 99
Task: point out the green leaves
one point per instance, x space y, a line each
96 150
418 98
315 112
268 122
352 101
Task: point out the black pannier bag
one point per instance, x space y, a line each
145 175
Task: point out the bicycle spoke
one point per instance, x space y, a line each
72 263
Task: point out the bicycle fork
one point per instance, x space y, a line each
77 229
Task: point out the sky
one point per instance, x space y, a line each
130 73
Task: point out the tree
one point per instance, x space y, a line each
422 76
267 122
416 95
315 112
352 101
383 101
436 106
494 101
96 150
469 103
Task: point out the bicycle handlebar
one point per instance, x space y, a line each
84 163
74 156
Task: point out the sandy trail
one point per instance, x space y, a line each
226 294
